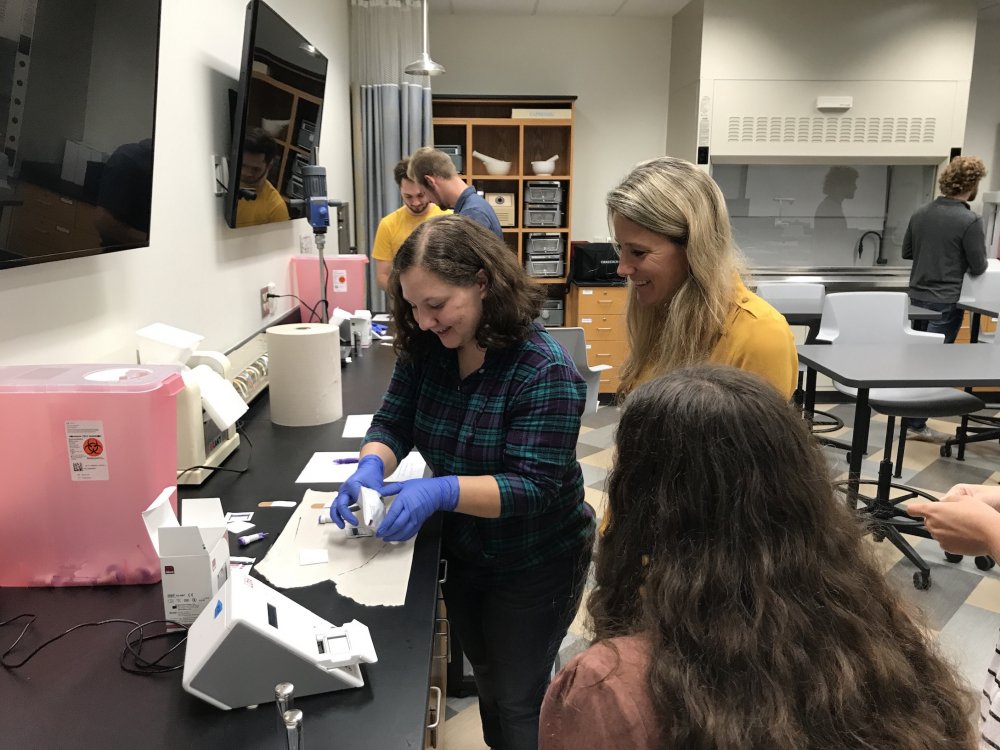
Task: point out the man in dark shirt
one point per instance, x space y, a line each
434 171
945 240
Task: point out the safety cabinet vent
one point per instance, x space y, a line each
831 129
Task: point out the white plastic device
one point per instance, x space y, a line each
250 637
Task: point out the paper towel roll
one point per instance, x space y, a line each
304 370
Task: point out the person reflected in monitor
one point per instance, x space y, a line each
124 199
259 153
830 224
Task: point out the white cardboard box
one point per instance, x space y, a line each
194 558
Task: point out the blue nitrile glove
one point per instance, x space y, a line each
370 473
416 500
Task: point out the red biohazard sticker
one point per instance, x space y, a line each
93 447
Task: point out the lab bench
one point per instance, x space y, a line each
73 693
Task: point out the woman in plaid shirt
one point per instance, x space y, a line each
493 403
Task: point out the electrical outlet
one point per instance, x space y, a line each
265 303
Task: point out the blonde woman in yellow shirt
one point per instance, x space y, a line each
687 303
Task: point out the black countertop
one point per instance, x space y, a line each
73 693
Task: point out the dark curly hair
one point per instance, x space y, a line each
771 623
962 174
455 248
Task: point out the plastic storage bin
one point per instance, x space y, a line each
86 448
542 215
346 283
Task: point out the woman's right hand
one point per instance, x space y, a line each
370 473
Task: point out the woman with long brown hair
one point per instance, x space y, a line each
736 604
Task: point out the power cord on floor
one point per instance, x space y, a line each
130 660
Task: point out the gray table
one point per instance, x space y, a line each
896 366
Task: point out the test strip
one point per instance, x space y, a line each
278 504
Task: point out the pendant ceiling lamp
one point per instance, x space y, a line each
423 65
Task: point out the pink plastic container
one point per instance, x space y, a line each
346 283
84 450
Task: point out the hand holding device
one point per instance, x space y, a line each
370 473
416 500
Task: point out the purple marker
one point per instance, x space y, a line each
251 538
346 460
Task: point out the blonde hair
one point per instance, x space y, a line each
962 174
676 199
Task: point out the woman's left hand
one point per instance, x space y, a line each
416 501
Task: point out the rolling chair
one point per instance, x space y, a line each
882 317
573 341
979 290
787 297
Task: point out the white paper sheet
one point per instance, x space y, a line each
366 569
323 468
411 467
356 425
238 527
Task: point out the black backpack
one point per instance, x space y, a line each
595 264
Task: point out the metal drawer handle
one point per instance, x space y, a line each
443 566
446 632
437 711
603 329
605 301
602 355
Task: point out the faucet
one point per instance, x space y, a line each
879 259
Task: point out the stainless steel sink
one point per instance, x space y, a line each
839 279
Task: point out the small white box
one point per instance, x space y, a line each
194 558
361 325
503 207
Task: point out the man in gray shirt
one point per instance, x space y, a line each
945 239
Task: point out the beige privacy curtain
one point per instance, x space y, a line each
391 110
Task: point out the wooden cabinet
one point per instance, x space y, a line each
290 115
513 130
48 222
436 698
600 311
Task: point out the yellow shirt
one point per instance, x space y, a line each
757 339
269 206
396 227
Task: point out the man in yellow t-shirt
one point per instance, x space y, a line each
259 153
394 228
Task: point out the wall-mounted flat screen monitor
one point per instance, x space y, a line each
279 103
77 107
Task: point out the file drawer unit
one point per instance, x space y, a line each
600 312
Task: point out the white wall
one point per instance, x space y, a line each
617 67
197 273
845 40
982 131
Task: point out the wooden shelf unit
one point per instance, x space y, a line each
486 124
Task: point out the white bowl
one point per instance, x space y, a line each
497 167
543 168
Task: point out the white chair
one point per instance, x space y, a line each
801 300
982 288
575 344
978 291
882 318
781 294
